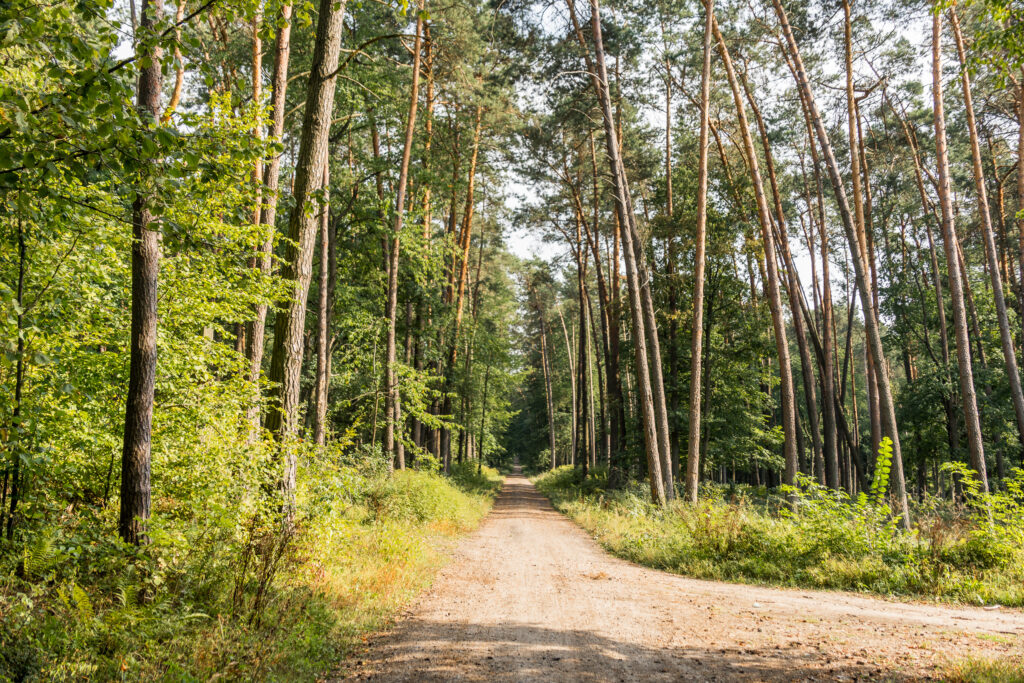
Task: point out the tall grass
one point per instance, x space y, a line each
830 541
237 603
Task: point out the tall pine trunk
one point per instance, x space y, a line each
392 407
968 398
772 287
888 408
289 325
697 335
623 207
325 307
256 329
1005 334
794 290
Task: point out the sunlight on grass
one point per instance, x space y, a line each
984 670
369 544
744 535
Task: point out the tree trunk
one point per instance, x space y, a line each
1020 189
827 363
464 240
859 219
670 259
968 398
256 331
392 408
483 421
871 321
548 394
583 445
623 208
138 419
325 307
570 352
423 308
795 292
697 334
1005 334
789 422
289 325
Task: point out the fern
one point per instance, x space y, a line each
127 594
82 603
40 555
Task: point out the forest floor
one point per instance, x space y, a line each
531 597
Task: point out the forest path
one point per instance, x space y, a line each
530 597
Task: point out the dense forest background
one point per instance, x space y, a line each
262 325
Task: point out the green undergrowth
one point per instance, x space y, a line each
985 670
222 598
746 535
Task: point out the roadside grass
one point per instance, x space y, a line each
241 605
744 535
985 670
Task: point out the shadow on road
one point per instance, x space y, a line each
441 652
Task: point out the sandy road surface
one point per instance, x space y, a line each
531 597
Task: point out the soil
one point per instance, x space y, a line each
530 597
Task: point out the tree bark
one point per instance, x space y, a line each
623 208
975 448
256 329
289 325
392 407
546 368
136 452
1005 334
325 307
795 293
789 422
697 334
871 321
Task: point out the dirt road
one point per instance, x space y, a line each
530 597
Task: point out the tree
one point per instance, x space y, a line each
951 244
693 441
392 406
286 360
888 407
136 453
789 422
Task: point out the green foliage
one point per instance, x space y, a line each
880 482
200 601
829 541
424 496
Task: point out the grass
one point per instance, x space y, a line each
742 536
242 608
984 670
